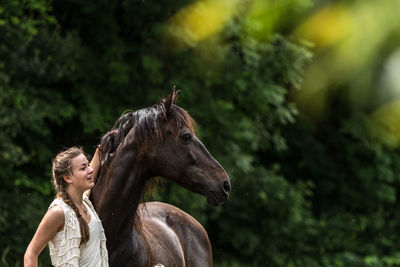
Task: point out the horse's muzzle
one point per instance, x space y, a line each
218 197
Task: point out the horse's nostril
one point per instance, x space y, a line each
227 187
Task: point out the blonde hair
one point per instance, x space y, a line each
62 166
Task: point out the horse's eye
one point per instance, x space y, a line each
186 137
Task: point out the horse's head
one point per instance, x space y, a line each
160 141
182 158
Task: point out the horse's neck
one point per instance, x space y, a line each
118 195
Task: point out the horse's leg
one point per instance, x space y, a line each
193 237
163 243
160 220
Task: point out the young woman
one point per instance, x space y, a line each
71 226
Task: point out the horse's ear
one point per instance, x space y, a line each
171 99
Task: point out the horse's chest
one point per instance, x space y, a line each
130 252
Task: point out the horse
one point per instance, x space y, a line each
157 141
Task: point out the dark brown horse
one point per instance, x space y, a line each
152 142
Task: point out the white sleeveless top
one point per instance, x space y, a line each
90 251
65 249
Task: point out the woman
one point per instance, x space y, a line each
71 226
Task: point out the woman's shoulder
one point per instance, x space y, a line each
55 215
56 211
57 208
68 214
87 201
60 204
57 202
90 205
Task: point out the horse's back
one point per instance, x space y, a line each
175 237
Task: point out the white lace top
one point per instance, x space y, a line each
65 249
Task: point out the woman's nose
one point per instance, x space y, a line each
90 169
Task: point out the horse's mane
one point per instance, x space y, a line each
147 128
146 125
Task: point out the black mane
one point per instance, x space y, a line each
147 126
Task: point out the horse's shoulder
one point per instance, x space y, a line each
176 218
162 210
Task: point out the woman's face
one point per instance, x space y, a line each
82 174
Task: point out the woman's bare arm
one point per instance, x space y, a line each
52 222
95 164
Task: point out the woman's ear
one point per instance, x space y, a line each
67 178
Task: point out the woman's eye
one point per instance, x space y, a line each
186 137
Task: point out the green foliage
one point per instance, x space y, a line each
35 60
357 183
276 209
